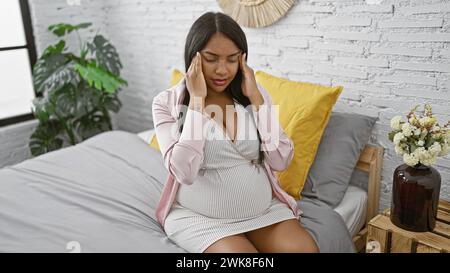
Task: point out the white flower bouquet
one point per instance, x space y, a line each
420 139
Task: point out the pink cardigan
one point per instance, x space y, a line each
183 153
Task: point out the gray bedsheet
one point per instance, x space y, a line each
100 196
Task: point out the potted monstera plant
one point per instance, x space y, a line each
76 91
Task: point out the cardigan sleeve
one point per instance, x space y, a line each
276 145
182 153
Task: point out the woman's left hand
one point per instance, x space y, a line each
249 87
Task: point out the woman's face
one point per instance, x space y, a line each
220 62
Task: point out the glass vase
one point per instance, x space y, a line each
415 197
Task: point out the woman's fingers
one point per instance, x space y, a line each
191 66
243 63
199 63
195 81
196 64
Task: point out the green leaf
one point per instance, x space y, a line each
429 141
106 54
54 72
54 49
83 25
391 135
99 78
111 102
413 147
72 102
43 108
61 29
45 138
91 125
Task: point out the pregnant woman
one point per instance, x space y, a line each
221 144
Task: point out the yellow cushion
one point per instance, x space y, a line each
154 142
304 111
177 75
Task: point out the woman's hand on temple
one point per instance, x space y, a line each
195 80
249 86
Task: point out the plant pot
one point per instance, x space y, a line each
415 197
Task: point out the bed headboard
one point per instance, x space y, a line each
371 161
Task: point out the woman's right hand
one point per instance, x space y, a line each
195 81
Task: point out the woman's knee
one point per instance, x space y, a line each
299 241
303 244
307 244
232 244
310 246
286 237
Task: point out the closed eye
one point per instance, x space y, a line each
231 61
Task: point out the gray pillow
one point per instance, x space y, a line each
340 147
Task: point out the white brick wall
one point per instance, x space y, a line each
14 142
419 7
388 57
410 23
338 47
365 9
400 51
344 21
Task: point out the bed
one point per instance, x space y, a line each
100 196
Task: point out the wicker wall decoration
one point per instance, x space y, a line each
256 13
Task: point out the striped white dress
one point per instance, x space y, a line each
230 195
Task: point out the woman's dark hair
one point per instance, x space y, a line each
201 31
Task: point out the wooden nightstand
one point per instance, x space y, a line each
383 236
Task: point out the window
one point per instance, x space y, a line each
17 56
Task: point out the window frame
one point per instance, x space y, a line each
30 46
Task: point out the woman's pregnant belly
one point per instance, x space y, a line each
237 192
